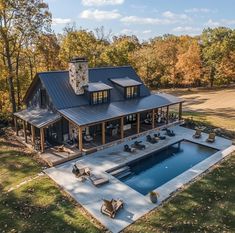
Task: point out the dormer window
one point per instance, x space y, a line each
131 92
99 97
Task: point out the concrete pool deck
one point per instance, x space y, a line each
136 204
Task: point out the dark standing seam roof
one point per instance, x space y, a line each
63 96
84 115
38 117
98 86
125 82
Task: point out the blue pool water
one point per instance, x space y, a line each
159 167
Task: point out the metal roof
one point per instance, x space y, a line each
63 96
98 86
89 114
38 117
126 82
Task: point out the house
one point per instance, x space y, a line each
92 107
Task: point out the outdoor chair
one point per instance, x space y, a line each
159 136
151 139
88 138
79 171
98 180
127 148
111 208
170 133
138 145
211 137
198 133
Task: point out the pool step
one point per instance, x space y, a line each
122 175
119 171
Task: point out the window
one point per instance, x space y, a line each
132 92
99 97
43 99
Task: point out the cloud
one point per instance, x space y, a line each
222 22
187 30
211 23
99 15
56 21
146 31
101 2
128 31
175 17
199 10
167 18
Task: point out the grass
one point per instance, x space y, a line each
39 205
205 206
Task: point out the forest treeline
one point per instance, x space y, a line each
28 45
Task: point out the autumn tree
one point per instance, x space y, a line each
20 21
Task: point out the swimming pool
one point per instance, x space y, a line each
157 168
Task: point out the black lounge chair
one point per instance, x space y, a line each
127 148
170 133
159 136
138 145
151 139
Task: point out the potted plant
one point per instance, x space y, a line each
153 196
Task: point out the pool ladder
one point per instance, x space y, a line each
121 172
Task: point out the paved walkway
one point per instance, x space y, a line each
136 205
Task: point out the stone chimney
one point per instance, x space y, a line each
78 74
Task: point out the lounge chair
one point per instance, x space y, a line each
170 133
211 137
198 133
127 148
79 171
159 136
98 180
110 208
151 139
88 138
138 145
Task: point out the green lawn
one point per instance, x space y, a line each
205 206
38 206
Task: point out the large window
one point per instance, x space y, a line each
43 98
132 92
99 97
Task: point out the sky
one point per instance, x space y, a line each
144 18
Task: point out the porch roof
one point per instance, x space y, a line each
38 117
85 115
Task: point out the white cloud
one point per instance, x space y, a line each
56 21
128 31
175 17
187 30
228 21
168 17
199 10
211 23
147 31
99 15
101 2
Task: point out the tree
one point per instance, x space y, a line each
20 21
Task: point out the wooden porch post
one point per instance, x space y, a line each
33 134
138 123
42 139
180 111
153 118
122 125
80 142
103 133
25 133
167 114
16 125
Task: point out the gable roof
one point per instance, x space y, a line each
63 96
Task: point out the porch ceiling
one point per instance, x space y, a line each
85 115
38 117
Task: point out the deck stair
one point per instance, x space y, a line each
121 172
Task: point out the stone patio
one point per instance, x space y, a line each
136 205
